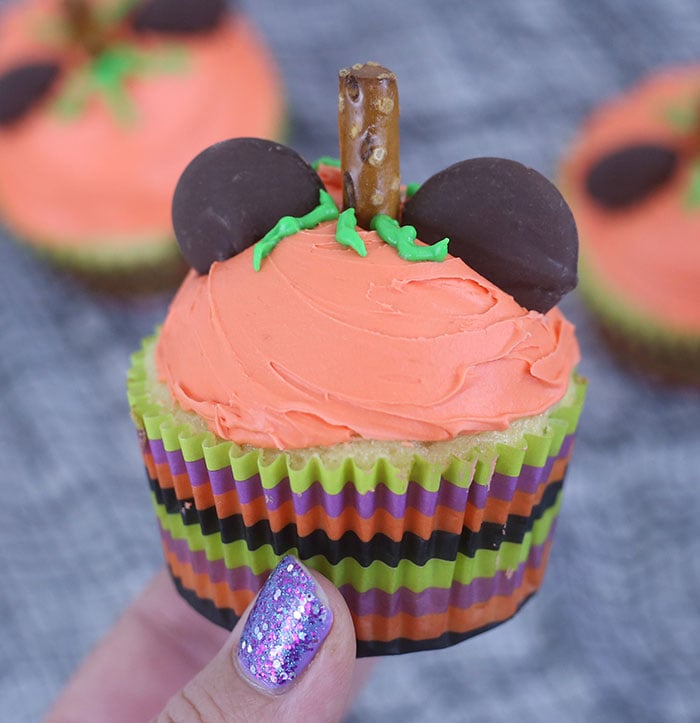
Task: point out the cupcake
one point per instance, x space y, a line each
633 180
399 414
101 106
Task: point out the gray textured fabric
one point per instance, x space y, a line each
614 634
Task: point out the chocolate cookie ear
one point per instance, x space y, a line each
23 86
178 16
506 221
234 192
629 174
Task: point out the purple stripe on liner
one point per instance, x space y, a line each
158 451
428 601
176 462
531 478
198 472
478 494
566 445
502 487
222 481
416 497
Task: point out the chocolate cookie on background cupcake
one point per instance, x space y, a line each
397 414
632 177
102 103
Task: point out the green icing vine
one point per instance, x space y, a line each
403 238
108 74
411 189
289 225
346 234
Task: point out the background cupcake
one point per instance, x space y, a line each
633 178
372 405
101 104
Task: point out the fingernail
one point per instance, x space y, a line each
285 628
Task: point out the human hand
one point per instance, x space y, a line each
164 660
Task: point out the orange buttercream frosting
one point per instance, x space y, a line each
322 346
649 253
69 182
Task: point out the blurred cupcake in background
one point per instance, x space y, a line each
101 105
632 178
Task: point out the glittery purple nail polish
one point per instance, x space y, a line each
285 628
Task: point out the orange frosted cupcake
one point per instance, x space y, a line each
633 180
328 386
102 104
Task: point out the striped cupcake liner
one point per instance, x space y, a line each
472 537
339 542
225 503
396 608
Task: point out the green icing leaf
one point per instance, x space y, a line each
691 199
325 211
403 238
108 74
346 234
289 225
411 189
286 226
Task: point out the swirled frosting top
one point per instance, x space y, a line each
322 346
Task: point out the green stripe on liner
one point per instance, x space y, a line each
378 575
107 255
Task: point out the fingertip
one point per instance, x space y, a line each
286 626
320 689
290 657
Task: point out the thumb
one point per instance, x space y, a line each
290 657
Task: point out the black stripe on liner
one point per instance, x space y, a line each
440 545
166 497
227 618
233 528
